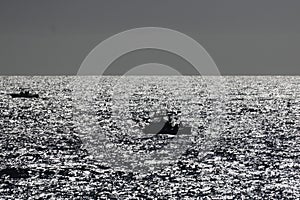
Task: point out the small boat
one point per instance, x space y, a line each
23 94
165 128
168 127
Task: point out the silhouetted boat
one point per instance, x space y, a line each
167 128
25 94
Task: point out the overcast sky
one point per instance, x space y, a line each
52 37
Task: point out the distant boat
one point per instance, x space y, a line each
24 94
167 127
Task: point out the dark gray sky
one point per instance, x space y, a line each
244 37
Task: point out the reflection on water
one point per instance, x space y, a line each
77 138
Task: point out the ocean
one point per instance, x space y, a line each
85 137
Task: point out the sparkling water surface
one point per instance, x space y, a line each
81 138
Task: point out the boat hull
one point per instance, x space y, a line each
164 128
24 96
